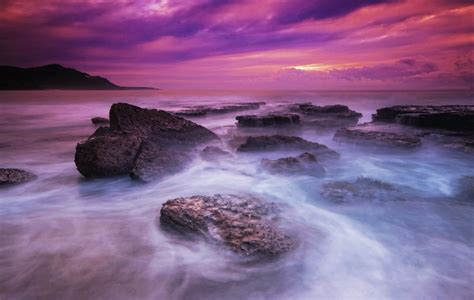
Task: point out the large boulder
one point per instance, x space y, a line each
154 162
147 143
450 117
109 154
305 163
363 189
286 143
267 120
329 116
15 176
244 224
377 138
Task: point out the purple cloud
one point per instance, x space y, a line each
402 69
300 10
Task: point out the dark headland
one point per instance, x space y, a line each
55 77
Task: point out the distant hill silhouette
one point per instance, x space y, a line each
54 77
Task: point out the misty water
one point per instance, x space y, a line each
65 237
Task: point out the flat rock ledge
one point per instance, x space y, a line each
377 138
284 142
449 117
244 224
329 116
199 111
15 176
268 120
145 143
305 163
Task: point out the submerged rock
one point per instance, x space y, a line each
465 189
362 189
245 224
204 110
267 120
99 121
147 143
15 176
305 163
450 117
329 116
377 138
463 144
283 142
213 153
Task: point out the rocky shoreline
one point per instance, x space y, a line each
149 145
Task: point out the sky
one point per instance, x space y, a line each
248 44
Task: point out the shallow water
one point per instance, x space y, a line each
64 237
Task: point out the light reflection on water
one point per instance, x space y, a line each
64 237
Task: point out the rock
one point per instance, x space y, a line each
305 163
107 154
460 144
192 112
362 189
465 189
283 142
308 108
204 110
450 117
245 224
99 120
329 116
145 143
154 162
267 120
162 126
377 138
15 176
213 153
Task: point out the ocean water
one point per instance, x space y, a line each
64 237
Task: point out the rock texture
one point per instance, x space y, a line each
362 189
245 224
268 120
283 142
204 110
305 163
154 161
214 153
465 189
377 138
450 117
463 144
145 143
15 176
330 116
99 121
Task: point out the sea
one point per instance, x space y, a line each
66 237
